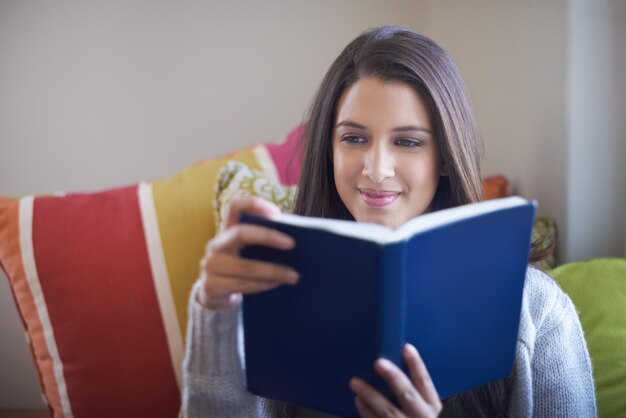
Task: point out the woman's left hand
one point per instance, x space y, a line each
417 396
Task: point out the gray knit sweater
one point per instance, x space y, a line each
552 371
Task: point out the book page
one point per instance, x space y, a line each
382 234
362 230
448 216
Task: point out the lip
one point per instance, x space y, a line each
378 198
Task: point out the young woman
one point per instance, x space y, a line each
390 136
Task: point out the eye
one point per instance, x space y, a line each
354 139
408 143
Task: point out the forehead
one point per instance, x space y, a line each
371 101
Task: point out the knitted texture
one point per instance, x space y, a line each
214 384
553 374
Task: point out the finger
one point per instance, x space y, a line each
225 264
234 238
363 409
250 204
220 287
407 395
373 399
420 376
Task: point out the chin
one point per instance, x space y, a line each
382 219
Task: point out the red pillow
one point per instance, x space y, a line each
101 281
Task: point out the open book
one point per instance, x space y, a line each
449 282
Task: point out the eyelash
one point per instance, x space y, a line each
410 143
350 139
403 142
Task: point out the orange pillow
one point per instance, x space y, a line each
495 186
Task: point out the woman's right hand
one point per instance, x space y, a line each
225 275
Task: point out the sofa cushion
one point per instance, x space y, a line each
598 289
101 281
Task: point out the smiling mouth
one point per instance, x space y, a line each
378 198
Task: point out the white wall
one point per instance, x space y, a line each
596 186
97 94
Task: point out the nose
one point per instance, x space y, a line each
378 164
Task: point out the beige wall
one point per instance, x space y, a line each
97 94
102 94
513 58
547 82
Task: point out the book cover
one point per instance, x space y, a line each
448 282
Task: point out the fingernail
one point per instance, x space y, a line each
410 349
287 242
355 384
384 363
293 276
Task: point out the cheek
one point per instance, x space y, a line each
422 174
344 166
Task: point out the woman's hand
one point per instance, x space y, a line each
225 274
417 396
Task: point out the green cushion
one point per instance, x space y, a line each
598 289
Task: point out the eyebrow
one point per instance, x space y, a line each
408 128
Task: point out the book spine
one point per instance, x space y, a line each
392 275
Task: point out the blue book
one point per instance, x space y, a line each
449 282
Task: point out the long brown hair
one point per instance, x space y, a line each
395 54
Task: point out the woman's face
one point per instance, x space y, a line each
386 160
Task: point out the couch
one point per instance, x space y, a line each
101 282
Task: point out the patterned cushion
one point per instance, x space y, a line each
101 281
544 234
236 179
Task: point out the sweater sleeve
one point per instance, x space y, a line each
213 368
553 368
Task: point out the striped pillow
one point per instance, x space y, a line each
101 281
